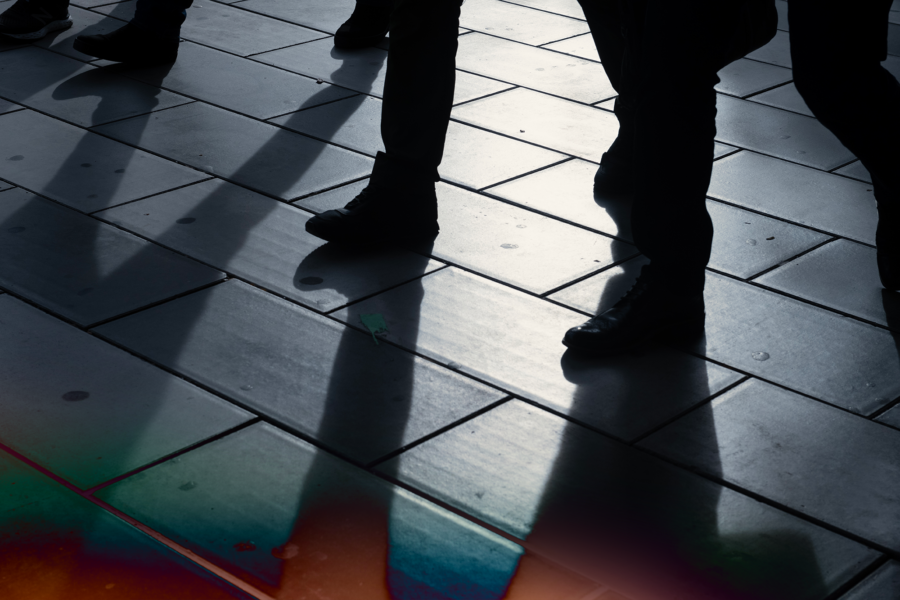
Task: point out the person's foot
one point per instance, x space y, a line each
650 310
367 26
129 44
887 240
398 207
33 19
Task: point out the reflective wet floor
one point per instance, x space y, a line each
200 400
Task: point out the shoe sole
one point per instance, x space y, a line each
672 333
89 49
334 234
351 43
43 31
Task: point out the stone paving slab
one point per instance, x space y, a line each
534 68
70 90
55 543
569 8
744 77
744 243
335 385
90 412
519 24
234 83
265 242
843 276
217 25
785 97
270 160
514 341
856 170
568 127
834 466
84 270
472 157
778 133
798 194
891 417
776 52
6 106
79 168
572 494
319 16
358 70
307 521
581 46
883 584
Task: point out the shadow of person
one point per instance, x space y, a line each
341 542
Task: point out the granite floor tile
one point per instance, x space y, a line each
216 25
264 241
786 97
564 126
571 493
856 170
75 92
518 23
891 417
321 16
778 133
86 410
7 107
358 70
569 8
776 52
79 168
337 385
782 7
84 270
806 196
514 341
883 584
232 82
470 87
744 77
54 543
893 39
257 155
472 157
808 349
744 243
581 45
842 275
833 466
291 519
535 68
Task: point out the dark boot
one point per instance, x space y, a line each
367 26
652 309
397 208
129 44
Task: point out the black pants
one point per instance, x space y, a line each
836 49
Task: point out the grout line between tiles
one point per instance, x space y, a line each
858 578
786 261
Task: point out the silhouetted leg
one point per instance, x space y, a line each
366 26
418 88
162 18
605 20
836 51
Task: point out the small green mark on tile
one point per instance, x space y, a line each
375 324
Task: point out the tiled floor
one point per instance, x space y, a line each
200 400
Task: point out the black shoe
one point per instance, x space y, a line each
887 240
32 20
367 26
129 44
397 208
648 311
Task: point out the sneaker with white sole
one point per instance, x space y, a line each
33 19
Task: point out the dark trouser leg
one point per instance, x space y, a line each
162 18
418 88
605 20
836 50
669 47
